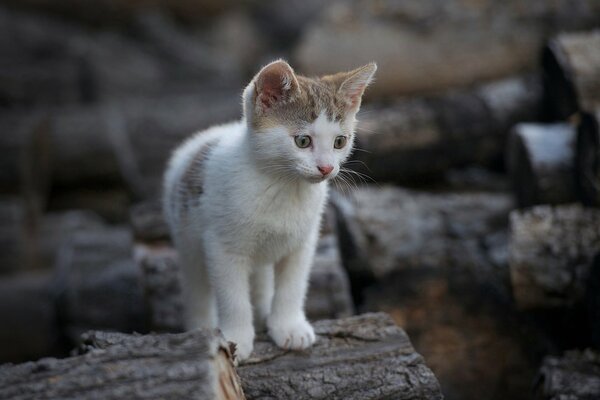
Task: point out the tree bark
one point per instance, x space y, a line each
193 365
550 254
571 63
540 161
587 159
410 140
574 376
362 357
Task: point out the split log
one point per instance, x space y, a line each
540 161
587 159
193 365
29 327
574 376
362 357
550 254
571 63
408 140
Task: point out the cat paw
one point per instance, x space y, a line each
244 342
295 334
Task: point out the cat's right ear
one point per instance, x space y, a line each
275 84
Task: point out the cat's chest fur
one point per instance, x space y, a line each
255 214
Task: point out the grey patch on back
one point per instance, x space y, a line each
191 185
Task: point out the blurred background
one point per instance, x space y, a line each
482 119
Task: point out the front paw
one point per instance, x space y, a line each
243 339
295 334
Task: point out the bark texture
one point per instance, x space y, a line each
550 254
587 159
362 357
571 64
193 365
541 163
409 140
574 376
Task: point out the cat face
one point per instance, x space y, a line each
302 127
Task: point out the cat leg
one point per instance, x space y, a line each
262 288
287 323
230 277
200 309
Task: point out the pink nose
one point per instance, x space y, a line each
325 169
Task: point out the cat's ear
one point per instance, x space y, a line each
275 83
354 83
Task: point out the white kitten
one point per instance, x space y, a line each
244 203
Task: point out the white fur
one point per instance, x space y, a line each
247 247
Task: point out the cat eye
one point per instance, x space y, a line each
340 142
302 141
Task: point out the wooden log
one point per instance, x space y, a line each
550 253
408 140
574 376
422 48
540 162
99 284
395 228
362 357
29 328
571 63
193 365
587 159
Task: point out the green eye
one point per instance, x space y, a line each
302 141
340 142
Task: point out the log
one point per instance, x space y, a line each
29 327
571 64
408 140
193 365
574 376
395 228
424 48
362 357
550 254
130 144
540 162
99 284
587 159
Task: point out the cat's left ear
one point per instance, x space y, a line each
354 84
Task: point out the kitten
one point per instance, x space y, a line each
244 202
